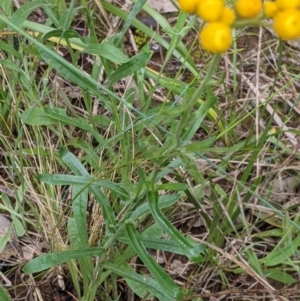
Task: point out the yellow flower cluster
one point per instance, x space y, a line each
216 35
286 17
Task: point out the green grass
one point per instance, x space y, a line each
109 167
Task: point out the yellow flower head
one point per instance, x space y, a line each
287 4
210 10
227 16
248 8
216 37
270 8
287 24
189 6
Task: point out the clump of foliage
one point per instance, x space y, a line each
111 164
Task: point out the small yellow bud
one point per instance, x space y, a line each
210 10
287 4
228 16
216 37
270 8
248 8
287 24
189 6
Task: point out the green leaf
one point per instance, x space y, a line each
60 6
200 146
69 71
116 188
83 180
280 276
173 186
164 202
136 63
48 116
47 261
20 230
67 17
165 281
4 295
67 34
279 256
75 165
72 162
138 289
79 206
108 51
157 244
21 14
37 116
254 262
10 50
154 232
5 238
6 7
189 249
144 281
61 116
77 232
13 67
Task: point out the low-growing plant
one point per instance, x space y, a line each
106 162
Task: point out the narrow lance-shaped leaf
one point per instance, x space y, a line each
68 16
136 63
279 255
21 14
157 244
47 261
75 165
166 282
148 283
79 206
108 51
190 250
57 33
57 179
55 115
3 295
8 48
199 146
164 201
279 275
